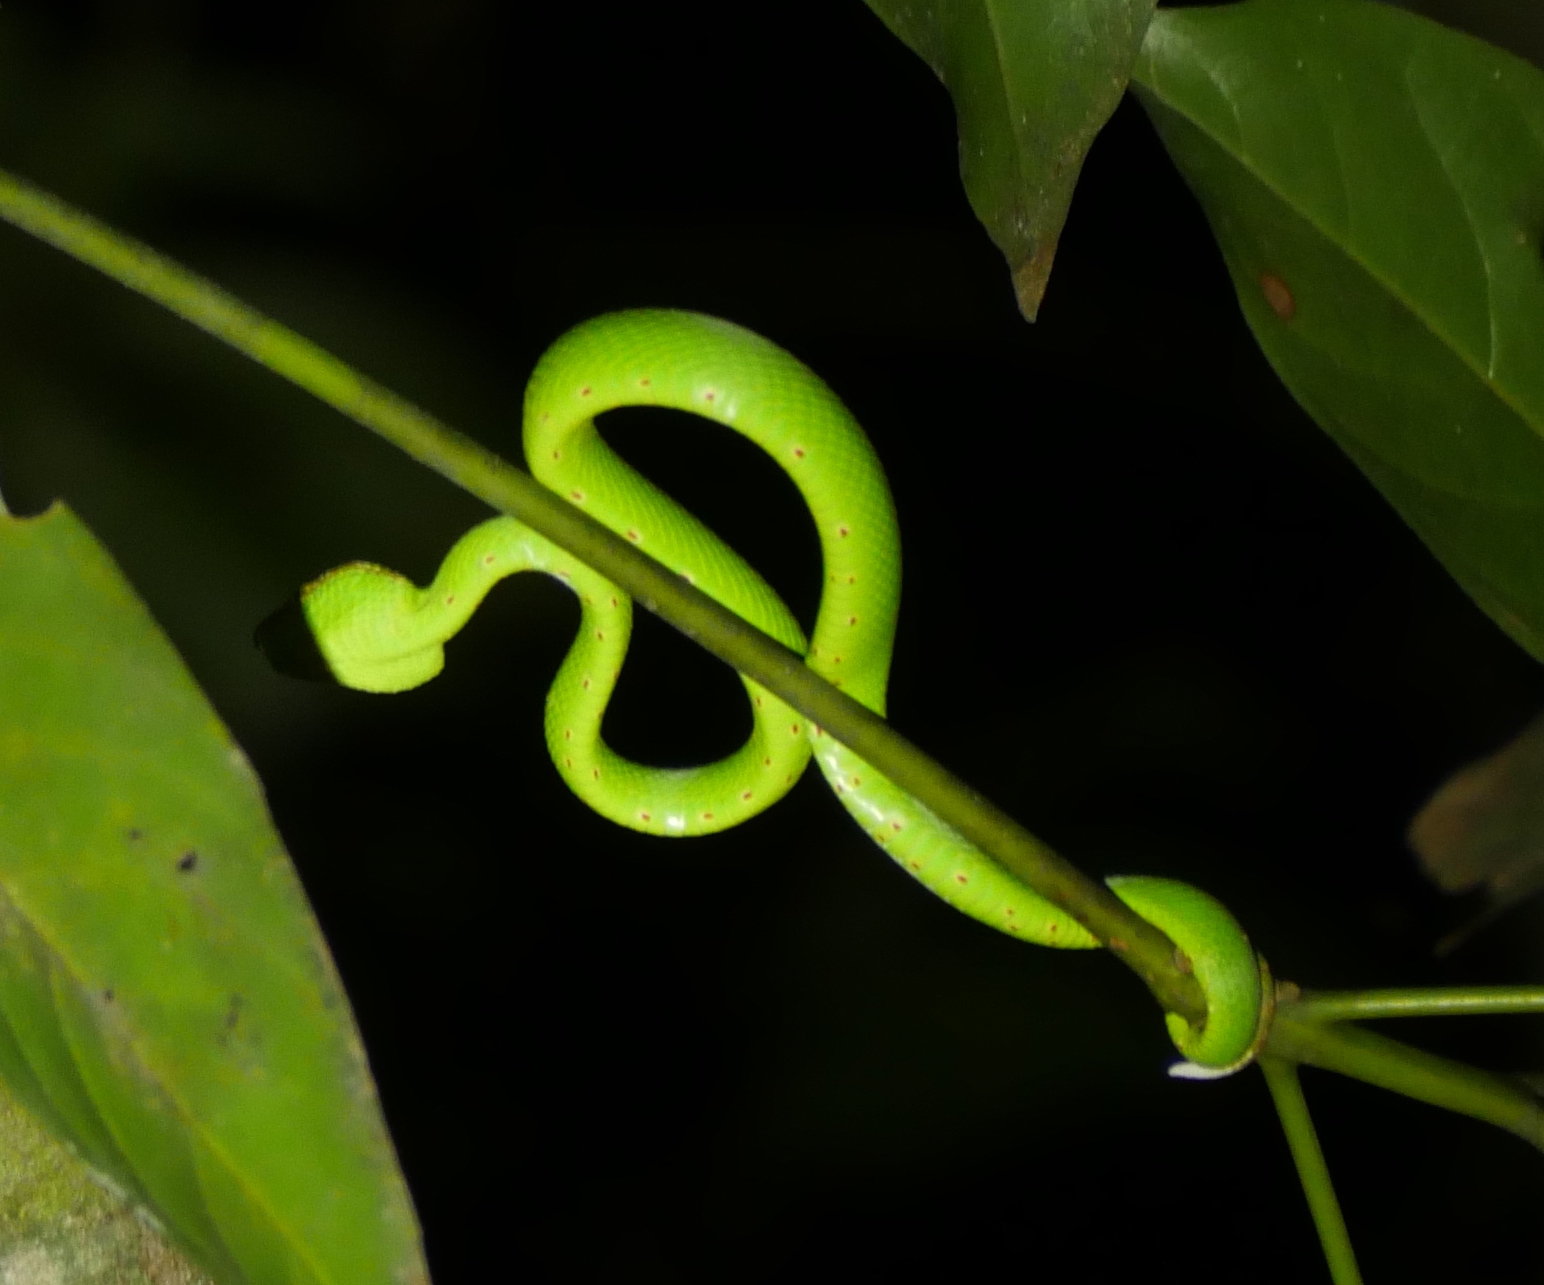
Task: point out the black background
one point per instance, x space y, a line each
1149 608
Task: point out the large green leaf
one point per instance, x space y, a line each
1032 81
167 1004
1376 182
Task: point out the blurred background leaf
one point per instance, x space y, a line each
1032 85
1484 829
167 1006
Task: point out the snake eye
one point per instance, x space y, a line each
287 643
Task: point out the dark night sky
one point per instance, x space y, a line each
1149 608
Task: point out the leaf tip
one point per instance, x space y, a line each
1030 277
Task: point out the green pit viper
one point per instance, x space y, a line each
378 632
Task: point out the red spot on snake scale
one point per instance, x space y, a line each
568 733
746 795
633 536
557 455
600 635
645 382
1279 295
488 559
707 816
766 762
709 395
578 495
643 816
959 878
584 392
798 452
450 600
842 531
595 772
794 728
585 684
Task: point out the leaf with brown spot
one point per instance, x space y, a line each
250 1127
1386 176
1032 84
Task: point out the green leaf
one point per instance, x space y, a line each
1515 25
1376 182
59 1226
1032 84
167 1004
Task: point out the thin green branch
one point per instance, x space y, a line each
1429 1001
1312 1172
474 468
1412 1072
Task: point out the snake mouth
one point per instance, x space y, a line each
289 646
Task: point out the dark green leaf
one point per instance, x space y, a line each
1032 84
1376 182
1516 25
167 1004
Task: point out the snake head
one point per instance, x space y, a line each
359 625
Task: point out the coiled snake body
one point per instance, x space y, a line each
379 632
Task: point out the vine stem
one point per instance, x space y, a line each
1434 1001
1292 1109
1412 1072
1139 944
